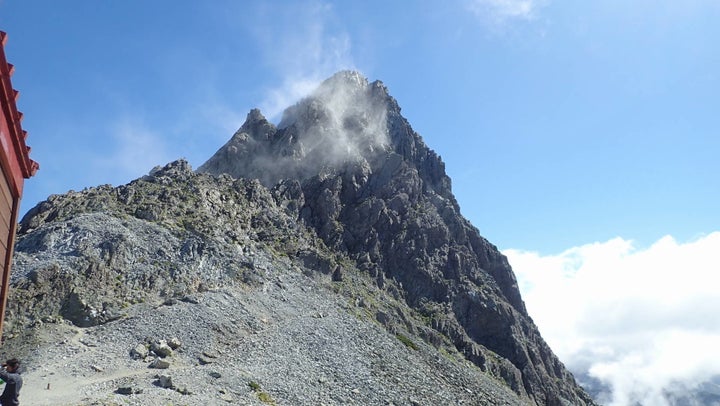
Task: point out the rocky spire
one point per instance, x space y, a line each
344 120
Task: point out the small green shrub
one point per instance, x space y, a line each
408 342
265 398
262 395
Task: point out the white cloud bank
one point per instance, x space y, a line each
641 321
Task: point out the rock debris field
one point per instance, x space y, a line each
284 343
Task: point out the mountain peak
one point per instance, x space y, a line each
350 196
346 78
347 164
255 115
345 120
344 110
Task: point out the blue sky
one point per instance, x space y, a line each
562 124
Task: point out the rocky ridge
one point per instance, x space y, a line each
263 311
345 261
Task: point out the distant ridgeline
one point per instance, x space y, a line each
342 186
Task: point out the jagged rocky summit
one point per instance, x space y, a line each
341 202
371 188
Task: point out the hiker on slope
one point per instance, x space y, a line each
13 382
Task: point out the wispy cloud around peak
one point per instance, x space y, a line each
305 45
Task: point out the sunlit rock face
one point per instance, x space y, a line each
372 189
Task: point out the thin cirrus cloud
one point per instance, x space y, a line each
642 322
135 150
499 11
302 55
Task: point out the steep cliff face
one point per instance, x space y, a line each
346 163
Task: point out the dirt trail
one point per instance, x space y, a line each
59 389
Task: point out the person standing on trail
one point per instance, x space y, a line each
13 382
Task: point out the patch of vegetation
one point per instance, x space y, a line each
262 395
265 398
446 354
408 342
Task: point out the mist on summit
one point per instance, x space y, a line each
344 119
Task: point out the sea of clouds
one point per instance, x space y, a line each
642 322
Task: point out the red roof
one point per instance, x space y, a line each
14 154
